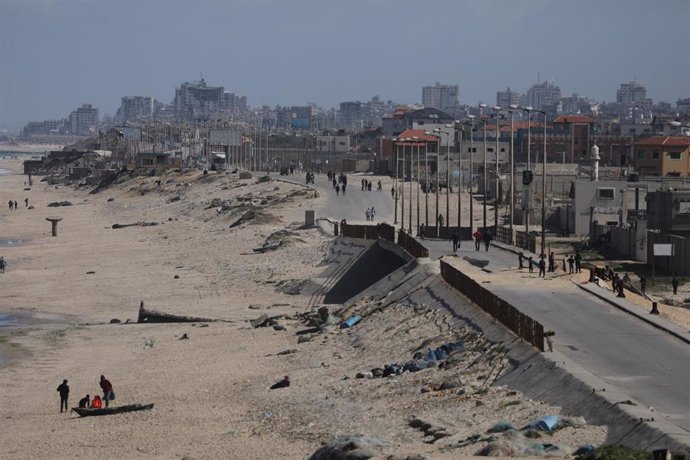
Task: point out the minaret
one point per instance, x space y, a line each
595 161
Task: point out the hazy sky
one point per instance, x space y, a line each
56 54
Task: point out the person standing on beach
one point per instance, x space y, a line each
63 389
26 202
107 388
11 203
15 205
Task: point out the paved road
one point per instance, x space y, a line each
627 353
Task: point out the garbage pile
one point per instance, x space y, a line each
419 361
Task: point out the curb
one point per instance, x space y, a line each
637 315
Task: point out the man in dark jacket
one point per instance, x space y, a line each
63 389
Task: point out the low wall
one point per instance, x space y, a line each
368 232
522 325
446 232
411 245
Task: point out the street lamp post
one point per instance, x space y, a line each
497 112
512 168
543 191
471 173
416 141
483 106
448 179
409 218
462 132
402 193
395 187
426 182
527 195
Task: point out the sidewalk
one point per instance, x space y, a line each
637 311
621 303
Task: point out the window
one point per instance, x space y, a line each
640 155
674 155
605 193
490 150
673 174
655 154
503 149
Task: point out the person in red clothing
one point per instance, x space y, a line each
96 402
107 388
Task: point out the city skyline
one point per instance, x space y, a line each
308 51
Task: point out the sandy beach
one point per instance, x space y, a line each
211 390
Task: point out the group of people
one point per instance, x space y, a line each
574 263
482 235
13 204
367 184
310 177
338 181
86 402
370 213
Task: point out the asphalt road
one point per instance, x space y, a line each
627 353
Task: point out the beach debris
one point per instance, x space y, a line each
176 277
115 321
56 204
255 307
351 321
149 342
91 272
111 199
431 433
283 383
352 447
291 287
152 316
174 199
278 240
500 427
136 224
287 352
303 339
438 356
184 337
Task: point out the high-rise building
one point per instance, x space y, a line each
442 97
507 98
197 100
135 108
543 96
631 93
84 120
352 115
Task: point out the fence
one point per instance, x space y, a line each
526 241
679 263
504 235
522 325
368 232
445 233
411 245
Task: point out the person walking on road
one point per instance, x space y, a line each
552 262
530 264
456 240
487 239
63 389
422 230
542 266
675 283
571 264
578 261
521 257
477 239
368 214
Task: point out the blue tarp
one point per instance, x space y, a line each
545 423
350 322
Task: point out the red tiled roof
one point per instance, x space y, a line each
672 141
419 133
573 119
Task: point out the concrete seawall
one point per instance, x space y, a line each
550 377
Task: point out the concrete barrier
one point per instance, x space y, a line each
522 325
411 245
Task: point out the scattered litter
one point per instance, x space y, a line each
287 352
148 343
546 423
184 337
91 273
350 322
115 321
284 383
500 427
136 224
354 447
56 204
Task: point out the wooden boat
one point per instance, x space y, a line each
85 412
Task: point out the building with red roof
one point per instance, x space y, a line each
663 156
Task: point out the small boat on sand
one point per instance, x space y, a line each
85 412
